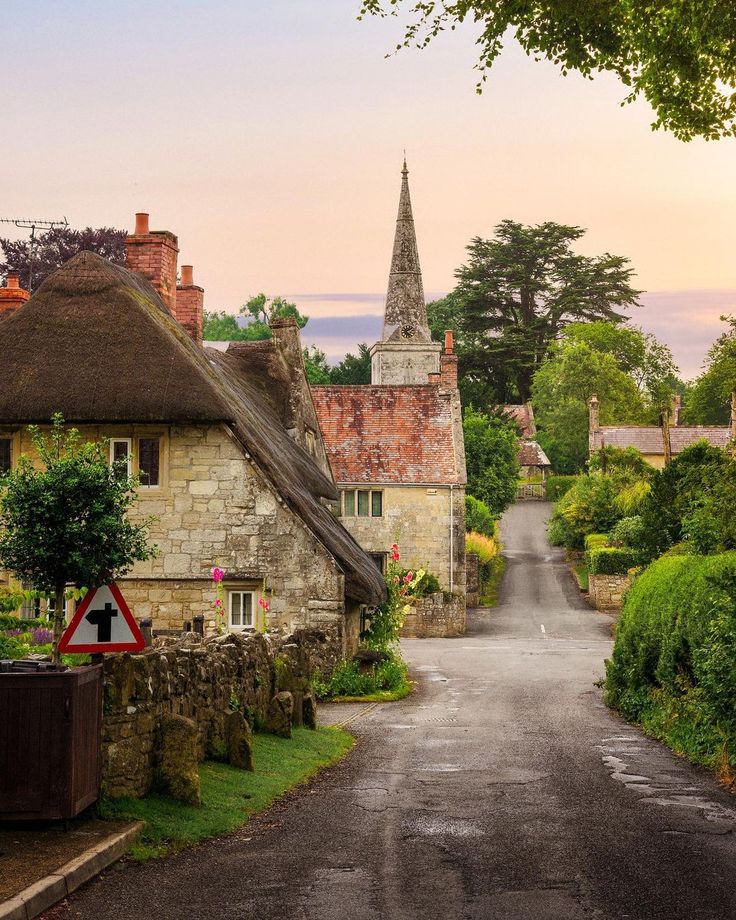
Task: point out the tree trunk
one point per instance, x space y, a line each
58 622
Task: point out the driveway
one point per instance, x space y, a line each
503 790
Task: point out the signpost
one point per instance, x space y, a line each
103 623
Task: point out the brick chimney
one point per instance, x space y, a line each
448 362
153 254
12 295
189 309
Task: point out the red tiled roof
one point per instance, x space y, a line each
388 434
648 440
524 418
531 454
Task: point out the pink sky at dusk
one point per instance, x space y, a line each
269 137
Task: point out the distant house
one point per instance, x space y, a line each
656 443
227 446
396 446
532 459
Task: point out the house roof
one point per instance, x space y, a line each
524 418
648 439
531 454
397 434
97 343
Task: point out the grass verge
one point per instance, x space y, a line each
380 696
492 586
229 796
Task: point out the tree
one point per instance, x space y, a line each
315 366
491 451
55 247
66 522
520 289
562 389
679 54
353 369
708 402
259 311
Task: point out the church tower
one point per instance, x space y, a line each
406 352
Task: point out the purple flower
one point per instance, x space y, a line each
41 636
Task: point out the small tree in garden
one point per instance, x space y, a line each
65 522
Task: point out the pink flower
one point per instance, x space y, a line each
395 555
218 602
262 602
217 574
408 577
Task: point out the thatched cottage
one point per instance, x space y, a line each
227 445
396 446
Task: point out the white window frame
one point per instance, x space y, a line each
129 443
231 592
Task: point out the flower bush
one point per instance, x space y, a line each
386 620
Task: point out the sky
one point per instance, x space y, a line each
269 137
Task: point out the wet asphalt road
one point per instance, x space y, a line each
503 789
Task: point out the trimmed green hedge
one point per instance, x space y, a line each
594 540
673 667
611 560
557 486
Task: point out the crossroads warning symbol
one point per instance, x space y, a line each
103 623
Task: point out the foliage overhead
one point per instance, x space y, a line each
521 288
708 402
55 247
66 521
680 55
491 452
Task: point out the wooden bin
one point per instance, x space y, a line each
50 726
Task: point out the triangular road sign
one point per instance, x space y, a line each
102 623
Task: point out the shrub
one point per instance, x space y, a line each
588 507
13 647
11 600
478 517
347 679
485 548
11 622
611 560
627 532
673 666
557 486
594 540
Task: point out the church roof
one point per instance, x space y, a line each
390 434
405 307
96 343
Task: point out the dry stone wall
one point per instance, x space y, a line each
438 616
203 680
607 591
472 576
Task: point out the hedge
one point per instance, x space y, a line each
673 667
594 540
611 560
557 486
478 517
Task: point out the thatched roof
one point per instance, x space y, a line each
96 343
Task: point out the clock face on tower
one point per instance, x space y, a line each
407 332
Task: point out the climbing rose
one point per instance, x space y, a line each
217 574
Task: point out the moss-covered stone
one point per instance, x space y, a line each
239 741
179 769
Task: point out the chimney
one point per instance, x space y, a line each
153 254
189 308
12 295
448 362
676 410
593 423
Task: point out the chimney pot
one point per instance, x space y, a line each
13 280
449 341
141 223
187 275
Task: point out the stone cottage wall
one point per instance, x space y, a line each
202 680
607 591
472 580
438 616
213 507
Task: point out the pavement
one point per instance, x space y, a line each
503 789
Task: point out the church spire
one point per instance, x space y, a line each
405 318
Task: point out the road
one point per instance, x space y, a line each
503 789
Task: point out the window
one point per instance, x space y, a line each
5 455
149 462
240 609
363 502
121 449
380 560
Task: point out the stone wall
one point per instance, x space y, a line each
438 616
213 507
420 517
202 680
472 580
606 592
